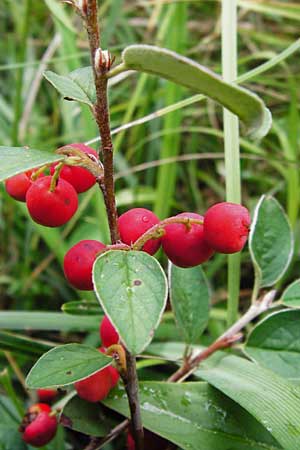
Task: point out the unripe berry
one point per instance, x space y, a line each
79 177
96 387
134 223
226 227
46 395
78 263
184 245
108 334
51 209
38 426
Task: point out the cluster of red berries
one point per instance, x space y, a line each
39 424
97 386
224 228
52 205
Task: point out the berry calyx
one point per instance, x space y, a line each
134 223
39 425
78 263
108 334
226 227
79 177
51 208
46 395
96 387
185 245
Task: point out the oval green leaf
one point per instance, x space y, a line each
14 160
77 85
270 241
195 416
291 296
189 294
66 364
272 400
174 67
132 289
275 343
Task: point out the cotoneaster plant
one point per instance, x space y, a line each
133 292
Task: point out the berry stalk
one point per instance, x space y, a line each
157 230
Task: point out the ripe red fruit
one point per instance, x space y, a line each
38 426
79 177
96 387
78 263
108 334
46 395
226 227
185 246
51 209
39 407
18 185
130 444
134 223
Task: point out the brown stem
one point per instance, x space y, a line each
101 113
227 339
98 443
131 387
158 231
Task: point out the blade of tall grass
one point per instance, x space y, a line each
231 147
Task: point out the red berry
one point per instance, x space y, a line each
114 375
136 222
51 209
226 227
78 263
185 245
46 395
38 426
96 387
39 407
79 177
108 334
18 185
130 442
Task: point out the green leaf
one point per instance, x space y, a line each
77 85
66 364
174 67
275 343
42 320
83 307
85 417
273 401
189 295
132 289
10 438
171 351
291 295
23 345
14 160
270 241
195 416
